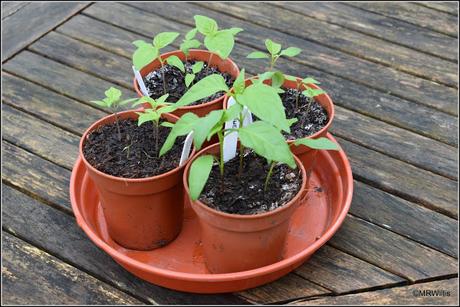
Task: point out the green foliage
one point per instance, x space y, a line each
112 99
312 92
146 53
189 42
199 173
205 87
196 68
217 41
176 62
319 143
274 52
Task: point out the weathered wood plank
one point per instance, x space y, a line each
103 64
351 95
399 143
47 105
53 75
34 20
404 180
286 288
414 14
447 7
42 138
32 276
391 251
9 7
409 295
327 264
380 26
420 224
51 229
354 43
326 59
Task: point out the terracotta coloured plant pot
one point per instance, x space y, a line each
202 109
305 154
234 242
142 213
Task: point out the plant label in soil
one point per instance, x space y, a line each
186 149
141 83
231 140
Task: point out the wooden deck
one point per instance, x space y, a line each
391 69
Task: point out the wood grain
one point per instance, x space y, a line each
447 7
33 20
398 215
337 37
341 272
353 96
392 252
380 26
397 296
51 229
415 14
32 276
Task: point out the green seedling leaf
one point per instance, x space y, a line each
191 34
277 79
167 124
140 43
176 62
189 44
162 99
312 92
147 116
199 174
166 109
100 103
272 47
122 103
205 87
264 101
239 83
205 25
189 79
310 80
233 31
163 39
113 94
257 55
267 141
204 126
146 99
320 143
221 43
182 127
143 55
232 112
197 67
290 52
264 76
290 78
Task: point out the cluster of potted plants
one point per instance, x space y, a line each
237 149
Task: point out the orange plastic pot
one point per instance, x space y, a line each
234 242
306 154
143 213
202 109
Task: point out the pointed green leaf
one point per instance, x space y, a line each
167 124
199 174
272 47
205 25
290 52
197 67
266 141
232 112
162 99
163 39
221 43
257 55
266 104
320 143
126 101
189 79
233 31
183 126
191 34
146 117
100 103
290 78
189 44
140 43
176 62
312 92
113 93
205 87
205 125
239 83
143 55
310 80
277 79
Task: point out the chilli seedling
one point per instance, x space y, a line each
113 101
308 92
189 42
146 53
274 53
153 114
217 41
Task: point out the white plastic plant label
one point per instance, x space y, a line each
186 149
141 83
231 140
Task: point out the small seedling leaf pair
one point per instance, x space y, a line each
189 42
146 53
217 41
112 99
274 52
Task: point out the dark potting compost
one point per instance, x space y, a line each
311 116
135 156
245 194
175 81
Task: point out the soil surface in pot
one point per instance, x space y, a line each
175 81
311 116
135 156
245 194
